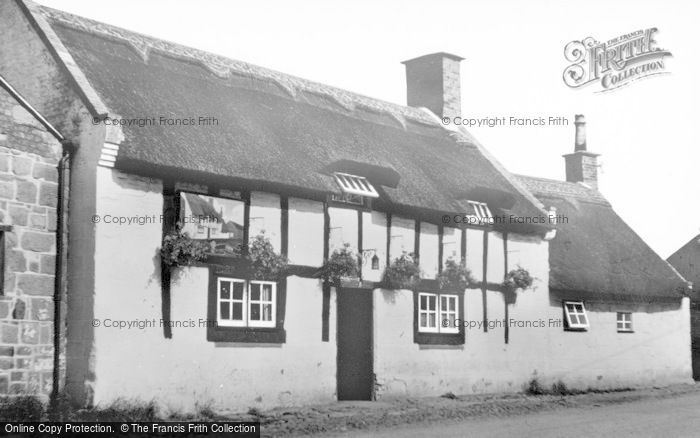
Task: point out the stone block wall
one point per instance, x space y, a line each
28 198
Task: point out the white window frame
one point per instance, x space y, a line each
246 302
427 312
355 185
574 311
445 313
438 311
231 322
482 212
272 322
624 324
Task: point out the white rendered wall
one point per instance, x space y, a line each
187 371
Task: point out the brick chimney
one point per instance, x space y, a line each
432 81
581 165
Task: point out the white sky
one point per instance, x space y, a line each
513 67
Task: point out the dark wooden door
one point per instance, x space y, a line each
695 349
355 358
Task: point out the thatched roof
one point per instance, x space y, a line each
272 128
596 253
687 262
199 207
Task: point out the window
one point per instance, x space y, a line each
240 310
436 318
437 313
347 198
481 212
230 307
355 185
575 313
262 304
219 221
448 313
243 303
624 321
427 313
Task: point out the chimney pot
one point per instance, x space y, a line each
581 165
580 142
433 82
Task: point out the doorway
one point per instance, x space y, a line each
355 355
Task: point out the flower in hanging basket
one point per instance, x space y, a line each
518 278
455 276
179 249
263 262
342 263
402 273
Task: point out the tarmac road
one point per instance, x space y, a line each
669 418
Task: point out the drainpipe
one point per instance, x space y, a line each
59 278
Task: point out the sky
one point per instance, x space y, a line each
514 60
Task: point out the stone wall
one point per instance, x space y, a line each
47 78
28 192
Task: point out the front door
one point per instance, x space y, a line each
355 358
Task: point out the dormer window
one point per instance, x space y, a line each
355 185
576 318
347 198
481 211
